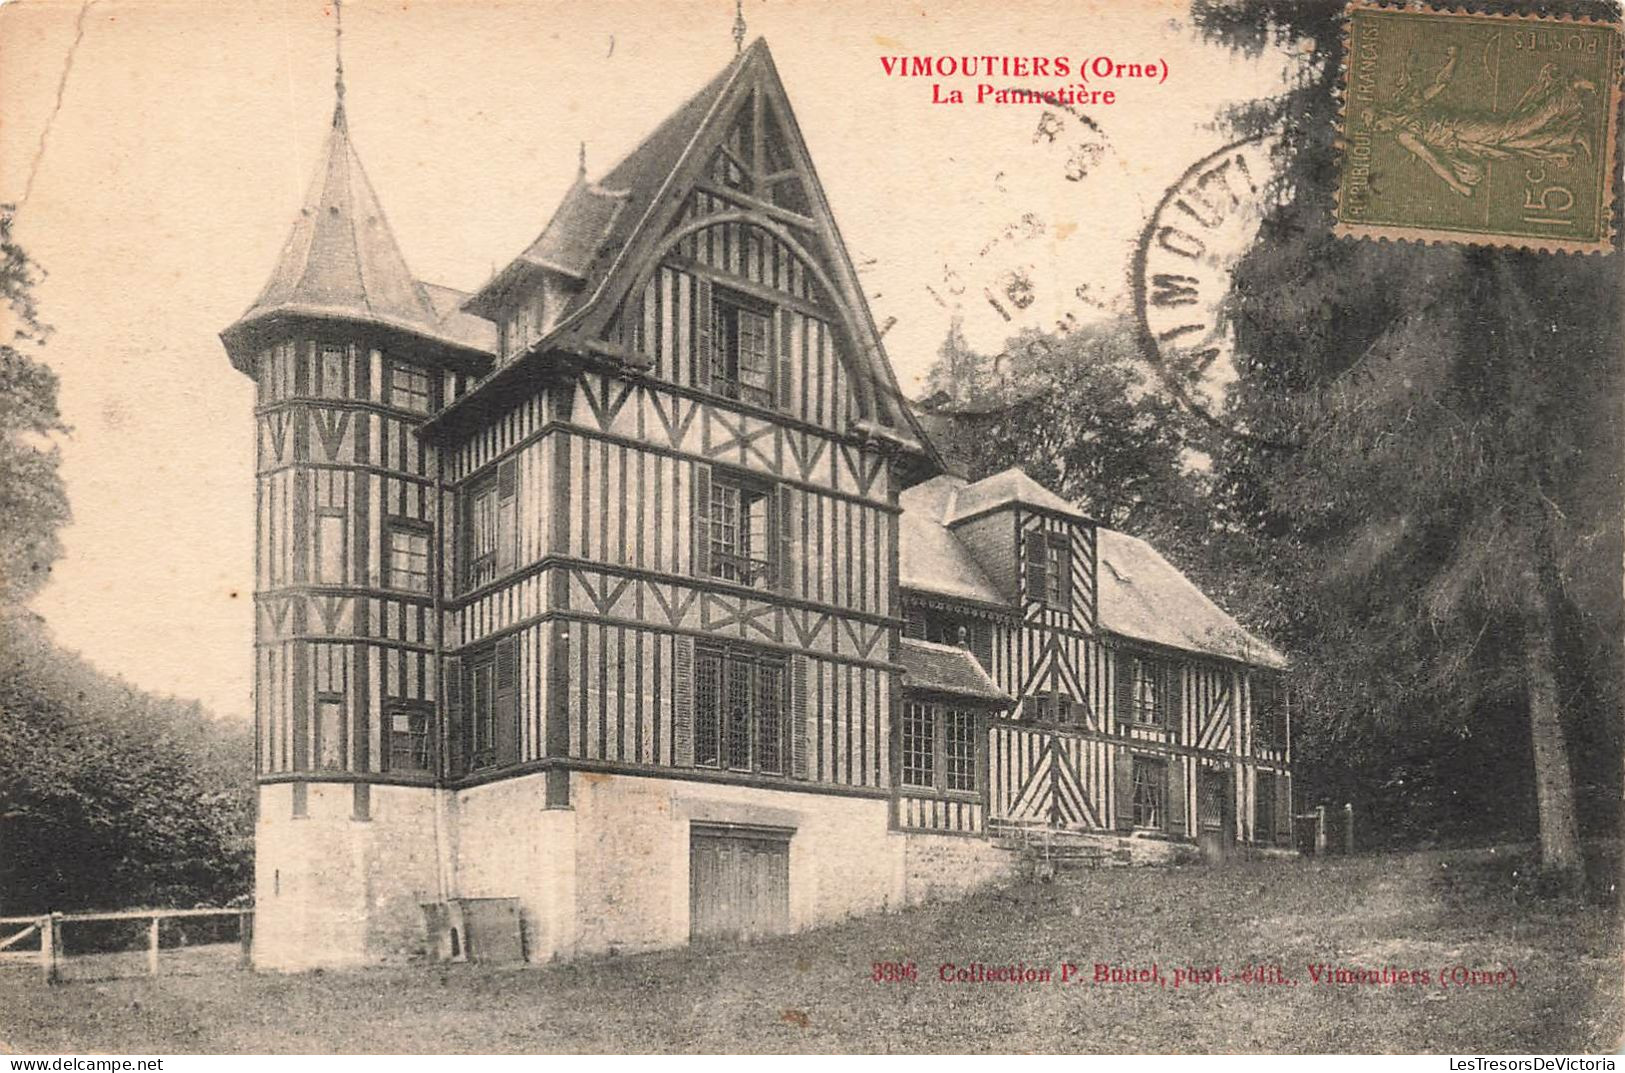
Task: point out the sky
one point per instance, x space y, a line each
163 167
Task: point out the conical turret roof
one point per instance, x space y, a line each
341 260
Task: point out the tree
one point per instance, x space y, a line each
1079 413
33 505
1447 523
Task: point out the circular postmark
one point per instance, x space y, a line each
1183 264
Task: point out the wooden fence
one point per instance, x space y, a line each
49 927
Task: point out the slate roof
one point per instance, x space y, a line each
1142 596
933 559
934 668
1012 486
341 262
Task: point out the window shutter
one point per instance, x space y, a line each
506 714
1123 688
798 716
914 625
783 377
457 759
785 563
682 724
1173 699
703 330
1035 548
702 521
1176 797
507 516
981 644
1124 796
1283 810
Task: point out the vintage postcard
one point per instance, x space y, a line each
745 526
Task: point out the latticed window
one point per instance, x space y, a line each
919 745
959 745
408 387
410 747
742 353
1150 787
740 536
408 562
740 720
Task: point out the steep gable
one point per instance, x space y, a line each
737 139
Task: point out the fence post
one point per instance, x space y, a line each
245 935
1348 828
152 946
1320 830
47 947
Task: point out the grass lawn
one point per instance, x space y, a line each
813 992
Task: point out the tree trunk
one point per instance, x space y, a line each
1554 785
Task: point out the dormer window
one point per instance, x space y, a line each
1049 569
742 350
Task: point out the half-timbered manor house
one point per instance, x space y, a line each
628 592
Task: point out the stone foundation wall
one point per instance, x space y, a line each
944 867
332 890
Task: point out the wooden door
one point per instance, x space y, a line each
739 882
1215 813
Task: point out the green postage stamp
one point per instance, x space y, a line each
1494 129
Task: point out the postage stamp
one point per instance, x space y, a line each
1491 129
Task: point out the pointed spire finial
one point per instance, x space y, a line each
581 163
338 62
739 26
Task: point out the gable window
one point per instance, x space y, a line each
938 747
406 566
740 717
409 387
1150 786
741 350
411 748
1049 569
740 533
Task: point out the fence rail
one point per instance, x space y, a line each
49 928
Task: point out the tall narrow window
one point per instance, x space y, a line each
407 564
1150 786
409 387
482 712
959 748
919 745
330 548
490 543
740 717
330 733
1057 568
1148 692
334 371
741 537
742 351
